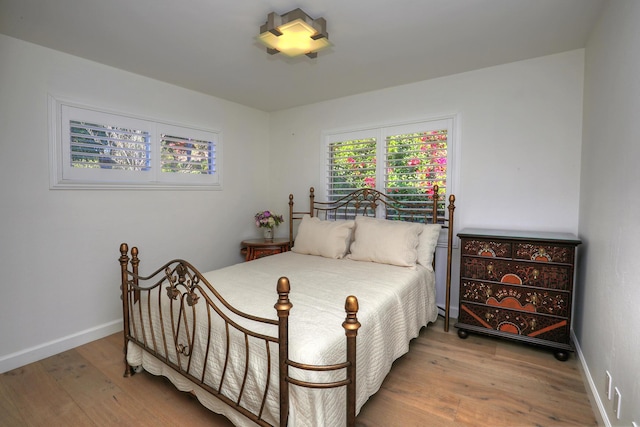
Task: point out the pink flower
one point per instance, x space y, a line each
370 182
268 219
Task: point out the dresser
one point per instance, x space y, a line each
518 285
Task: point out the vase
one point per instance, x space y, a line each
268 234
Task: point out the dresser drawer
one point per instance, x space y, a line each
531 325
544 253
516 297
542 275
486 248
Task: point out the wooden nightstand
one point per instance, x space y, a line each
258 248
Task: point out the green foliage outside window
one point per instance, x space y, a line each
353 165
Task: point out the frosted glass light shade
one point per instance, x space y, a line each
294 34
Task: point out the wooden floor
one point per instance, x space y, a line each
443 381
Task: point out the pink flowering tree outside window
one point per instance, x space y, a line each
414 164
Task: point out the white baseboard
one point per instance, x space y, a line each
42 351
596 403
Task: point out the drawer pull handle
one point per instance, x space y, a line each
490 269
533 324
535 273
486 250
541 255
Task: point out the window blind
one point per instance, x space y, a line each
186 155
97 149
352 165
414 163
106 146
404 161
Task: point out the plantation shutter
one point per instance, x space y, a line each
352 165
414 163
107 146
186 155
103 147
96 149
404 161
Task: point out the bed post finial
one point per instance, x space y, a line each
283 286
351 308
283 306
351 326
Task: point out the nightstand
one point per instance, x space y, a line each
258 248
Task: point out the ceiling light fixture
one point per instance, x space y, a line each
294 33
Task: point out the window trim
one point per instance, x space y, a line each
155 181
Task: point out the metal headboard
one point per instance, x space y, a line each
370 202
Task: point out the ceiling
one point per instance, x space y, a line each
210 45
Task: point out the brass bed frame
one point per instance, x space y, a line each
184 286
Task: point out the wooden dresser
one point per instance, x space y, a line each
518 285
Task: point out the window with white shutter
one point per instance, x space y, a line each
96 149
352 165
103 146
404 161
187 155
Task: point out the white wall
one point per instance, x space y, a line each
519 147
59 248
608 323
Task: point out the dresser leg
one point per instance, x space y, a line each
562 356
462 333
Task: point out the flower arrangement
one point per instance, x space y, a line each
268 219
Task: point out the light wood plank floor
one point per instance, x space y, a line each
443 381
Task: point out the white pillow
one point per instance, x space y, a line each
329 239
427 244
385 241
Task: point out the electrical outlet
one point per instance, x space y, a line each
608 383
617 401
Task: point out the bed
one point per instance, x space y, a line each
302 338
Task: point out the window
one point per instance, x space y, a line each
96 149
404 161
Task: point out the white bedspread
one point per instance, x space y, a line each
395 302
